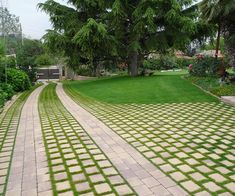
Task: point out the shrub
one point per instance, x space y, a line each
18 79
84 70
152 64
168 62
3 96
165 62
205 66
184 63
8 89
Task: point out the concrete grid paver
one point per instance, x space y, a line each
130 163
196 139
77 165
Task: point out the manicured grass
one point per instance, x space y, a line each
156 89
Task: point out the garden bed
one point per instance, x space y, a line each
213 85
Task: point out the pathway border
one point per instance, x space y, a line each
139 172
29 170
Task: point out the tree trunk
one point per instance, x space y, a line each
134 64
218 41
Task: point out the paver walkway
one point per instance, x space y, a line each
28 172
141 174
9 121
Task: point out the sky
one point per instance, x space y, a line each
34 22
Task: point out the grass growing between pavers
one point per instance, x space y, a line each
77 166
9 122
193 143
142 90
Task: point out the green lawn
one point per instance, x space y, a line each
156 89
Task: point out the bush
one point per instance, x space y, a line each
205 66
168 62
84 70
8 89
152 64
165 62
2 98
18 79
184 63
6 92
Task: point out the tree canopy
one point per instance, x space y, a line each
90 32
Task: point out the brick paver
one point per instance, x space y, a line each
28 172
141 174
9 121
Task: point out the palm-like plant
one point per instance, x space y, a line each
216 11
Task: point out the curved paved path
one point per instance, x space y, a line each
140 173
28 172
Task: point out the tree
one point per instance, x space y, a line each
10 29
27 54
144 26
217 12
44 60
90 32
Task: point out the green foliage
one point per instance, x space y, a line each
90 32
11 61
213 85
27 55
6 92
28 52
2 48
206 66
211 45
184 63
84 70
18 79
43 60
8 89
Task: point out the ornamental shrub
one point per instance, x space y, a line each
18 79
8 89
205 66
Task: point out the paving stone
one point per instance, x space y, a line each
211 186
60 176
123 190
97 178
190 186
178 176
217 177
150 182
78 177
197 176
115 180
60 186
84 186
102 188
160 190
230 186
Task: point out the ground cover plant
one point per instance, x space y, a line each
192 143
77 166
9 121
213 85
